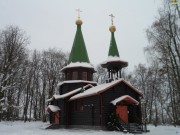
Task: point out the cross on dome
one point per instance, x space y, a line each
78 11
112 17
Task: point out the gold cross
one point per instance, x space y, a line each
174 2
112 16
78 10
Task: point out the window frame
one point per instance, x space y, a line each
90 76
86 76
75 75
68 77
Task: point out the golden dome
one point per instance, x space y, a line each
79 22
112 28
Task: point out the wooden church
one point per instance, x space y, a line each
82 103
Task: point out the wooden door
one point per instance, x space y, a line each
122 112
57 117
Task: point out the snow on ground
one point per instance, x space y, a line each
38 128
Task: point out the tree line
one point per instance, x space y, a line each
27 79
160 79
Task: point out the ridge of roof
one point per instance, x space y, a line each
101 88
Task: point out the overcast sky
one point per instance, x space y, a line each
51 24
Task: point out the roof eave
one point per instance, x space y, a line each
93 94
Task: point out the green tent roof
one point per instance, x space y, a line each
78 52
113 50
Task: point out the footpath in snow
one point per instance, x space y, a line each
38 128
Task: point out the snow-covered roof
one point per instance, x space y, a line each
113 59
101 88
76 81
78 64
69 93
126 98
51 99
53 108
93 90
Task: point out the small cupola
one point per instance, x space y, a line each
113 63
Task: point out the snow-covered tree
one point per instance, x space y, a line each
12 56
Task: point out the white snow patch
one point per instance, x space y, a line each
114 102
69 93
101 87
94 90
38 128
53 108
76 81
51 99
113 59
78 64
2 99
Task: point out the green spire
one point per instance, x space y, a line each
113 50
79 52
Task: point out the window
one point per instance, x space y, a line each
74 76
90 76
84 75
68 76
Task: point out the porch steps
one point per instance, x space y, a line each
133 128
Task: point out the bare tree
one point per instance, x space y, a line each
164 50
12 56
100 76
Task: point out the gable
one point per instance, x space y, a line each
104 87
126 98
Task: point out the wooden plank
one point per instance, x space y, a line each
57 116
122 112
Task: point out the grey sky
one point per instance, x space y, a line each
51 23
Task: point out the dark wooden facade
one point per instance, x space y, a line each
82 76
95 110
80 71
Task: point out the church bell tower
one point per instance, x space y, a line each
113 64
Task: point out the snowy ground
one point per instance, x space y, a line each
38 128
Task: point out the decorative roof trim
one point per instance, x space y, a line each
53 108
122 80
114 102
